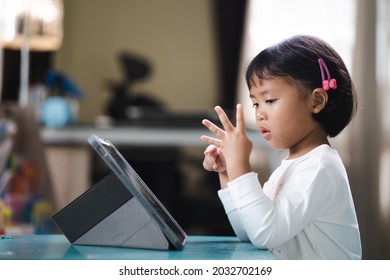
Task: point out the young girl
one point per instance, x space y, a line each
301 93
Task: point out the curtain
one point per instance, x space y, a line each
367 142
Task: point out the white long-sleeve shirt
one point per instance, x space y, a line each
304 211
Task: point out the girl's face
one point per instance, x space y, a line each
284 116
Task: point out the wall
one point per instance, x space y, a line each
175 35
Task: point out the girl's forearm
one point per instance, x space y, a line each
223 179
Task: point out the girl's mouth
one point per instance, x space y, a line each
265 132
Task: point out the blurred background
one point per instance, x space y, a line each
143 73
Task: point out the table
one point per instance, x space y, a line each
57 247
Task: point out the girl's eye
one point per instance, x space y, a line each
270 101
255 105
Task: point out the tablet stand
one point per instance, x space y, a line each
108 215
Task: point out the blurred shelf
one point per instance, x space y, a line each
135 136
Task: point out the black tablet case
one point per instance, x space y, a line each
109 215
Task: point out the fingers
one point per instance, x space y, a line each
227 125
210 162
240 121
211 141
213 159
219 133
213 128
210 149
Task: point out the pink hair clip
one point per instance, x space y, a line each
326 83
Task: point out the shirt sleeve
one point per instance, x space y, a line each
232 214
249 199
268 223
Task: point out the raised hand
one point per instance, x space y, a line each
232 141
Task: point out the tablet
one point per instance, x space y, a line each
137 187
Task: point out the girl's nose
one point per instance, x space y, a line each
261 115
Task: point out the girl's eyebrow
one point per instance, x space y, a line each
263 92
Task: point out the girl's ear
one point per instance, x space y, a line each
319 99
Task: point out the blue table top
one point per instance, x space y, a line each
57 247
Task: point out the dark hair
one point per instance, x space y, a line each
296 59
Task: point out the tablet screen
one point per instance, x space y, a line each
139 189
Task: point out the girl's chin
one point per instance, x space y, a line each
276 146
